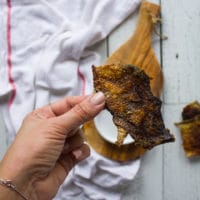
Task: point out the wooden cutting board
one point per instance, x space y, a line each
138 51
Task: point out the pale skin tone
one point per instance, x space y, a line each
48 145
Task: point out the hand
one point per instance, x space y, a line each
48 145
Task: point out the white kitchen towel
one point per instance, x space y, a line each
44 56
103 180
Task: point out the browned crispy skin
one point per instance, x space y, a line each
191 111
190 129
134 108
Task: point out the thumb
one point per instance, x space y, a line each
82 112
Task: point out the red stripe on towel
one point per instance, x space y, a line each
82 77
9 53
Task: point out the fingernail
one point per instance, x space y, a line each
98 98
77 154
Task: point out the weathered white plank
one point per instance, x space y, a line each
181 177
181 52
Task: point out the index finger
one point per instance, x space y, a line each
62 106
81 112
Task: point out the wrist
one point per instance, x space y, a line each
10 191
18 176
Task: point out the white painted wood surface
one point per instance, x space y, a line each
181 65
166 174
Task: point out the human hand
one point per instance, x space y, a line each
48 145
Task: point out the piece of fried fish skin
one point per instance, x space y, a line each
134 108
190 129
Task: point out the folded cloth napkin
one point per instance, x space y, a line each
44 56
